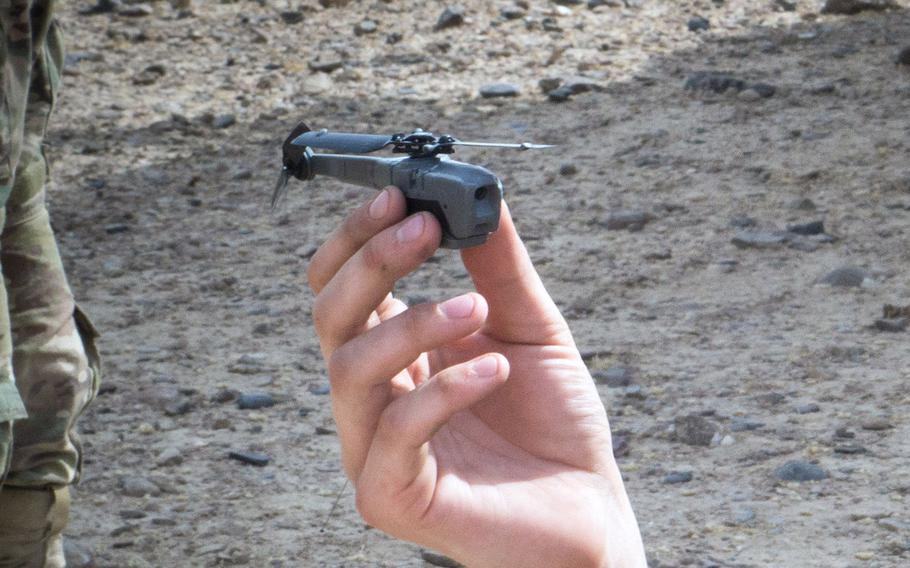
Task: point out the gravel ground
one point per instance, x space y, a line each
723 222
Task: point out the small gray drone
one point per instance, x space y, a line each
464 197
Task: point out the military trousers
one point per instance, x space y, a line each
49 368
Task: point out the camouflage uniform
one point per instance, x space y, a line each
48 364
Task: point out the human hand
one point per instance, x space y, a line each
471 426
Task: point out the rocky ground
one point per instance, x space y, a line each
723 221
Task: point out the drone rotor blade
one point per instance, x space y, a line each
281 188
344 142
521 146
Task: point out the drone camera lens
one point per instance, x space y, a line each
480 193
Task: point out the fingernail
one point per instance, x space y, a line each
486 367
457 308
411 229
380 205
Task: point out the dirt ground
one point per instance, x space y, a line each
720 353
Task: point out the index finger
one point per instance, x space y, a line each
521 309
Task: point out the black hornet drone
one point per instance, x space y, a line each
464 197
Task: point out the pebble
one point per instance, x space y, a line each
499 90
255 400
698 24
851 7
807 229
808 408
136 11
742 222
745 425
803 204
627 219
116 228
513 12
168 457
744 516
694 430
877 424
615 377
136 486
849 449
759 239
319 389
847 277
903 56
892 325
224 121
250 458
451 17
678 477
798 470
101 7
568 169
291 17
326 63
365 27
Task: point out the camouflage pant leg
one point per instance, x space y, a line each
53 358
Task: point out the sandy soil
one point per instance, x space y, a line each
721 355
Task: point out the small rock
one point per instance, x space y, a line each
136 11
759 239
694 430
499 90
115 228
798 470
250 458
559 94
742 222
136 486
849 449
807 229
877 424
169 457
291 17
739 425
319 389
316 84
568 169
678 477
513 12
851 7
713 81
615 377
256 400
847 277
101 7
903 56
698 24
451 17
626 219
845 433
365 27
808 408
744 516
547 84
803 204
326 63
224 121
893 325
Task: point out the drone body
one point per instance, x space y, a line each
464 198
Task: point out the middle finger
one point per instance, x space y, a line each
346 302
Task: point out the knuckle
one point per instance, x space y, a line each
321 315
371 511
339 367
